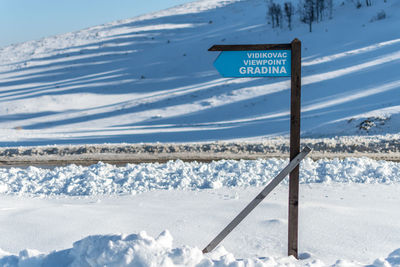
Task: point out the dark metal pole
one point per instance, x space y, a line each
295 103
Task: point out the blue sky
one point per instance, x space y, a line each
24 20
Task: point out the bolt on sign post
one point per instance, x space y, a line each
269 60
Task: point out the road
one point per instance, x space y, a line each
120 154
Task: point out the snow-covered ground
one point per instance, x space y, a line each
106 179
151 78
341 222
348 213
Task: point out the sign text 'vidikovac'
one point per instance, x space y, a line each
260 63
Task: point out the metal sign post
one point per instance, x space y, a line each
295 104
269 60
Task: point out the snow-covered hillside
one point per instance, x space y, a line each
151 78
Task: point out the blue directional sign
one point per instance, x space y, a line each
260 63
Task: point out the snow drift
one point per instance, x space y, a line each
138 250
105 179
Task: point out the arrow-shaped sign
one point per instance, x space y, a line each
257 63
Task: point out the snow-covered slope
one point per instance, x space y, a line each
151 78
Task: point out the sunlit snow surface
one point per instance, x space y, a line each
143 250
348 211
106 179
151 78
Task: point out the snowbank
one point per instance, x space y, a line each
101 178
143 250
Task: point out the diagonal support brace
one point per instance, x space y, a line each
257 200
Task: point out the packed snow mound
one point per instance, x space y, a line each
105 179
143 250
115 250
151 79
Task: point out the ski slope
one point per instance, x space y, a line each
151 78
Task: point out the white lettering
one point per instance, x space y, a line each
259 62
267 55
263 70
